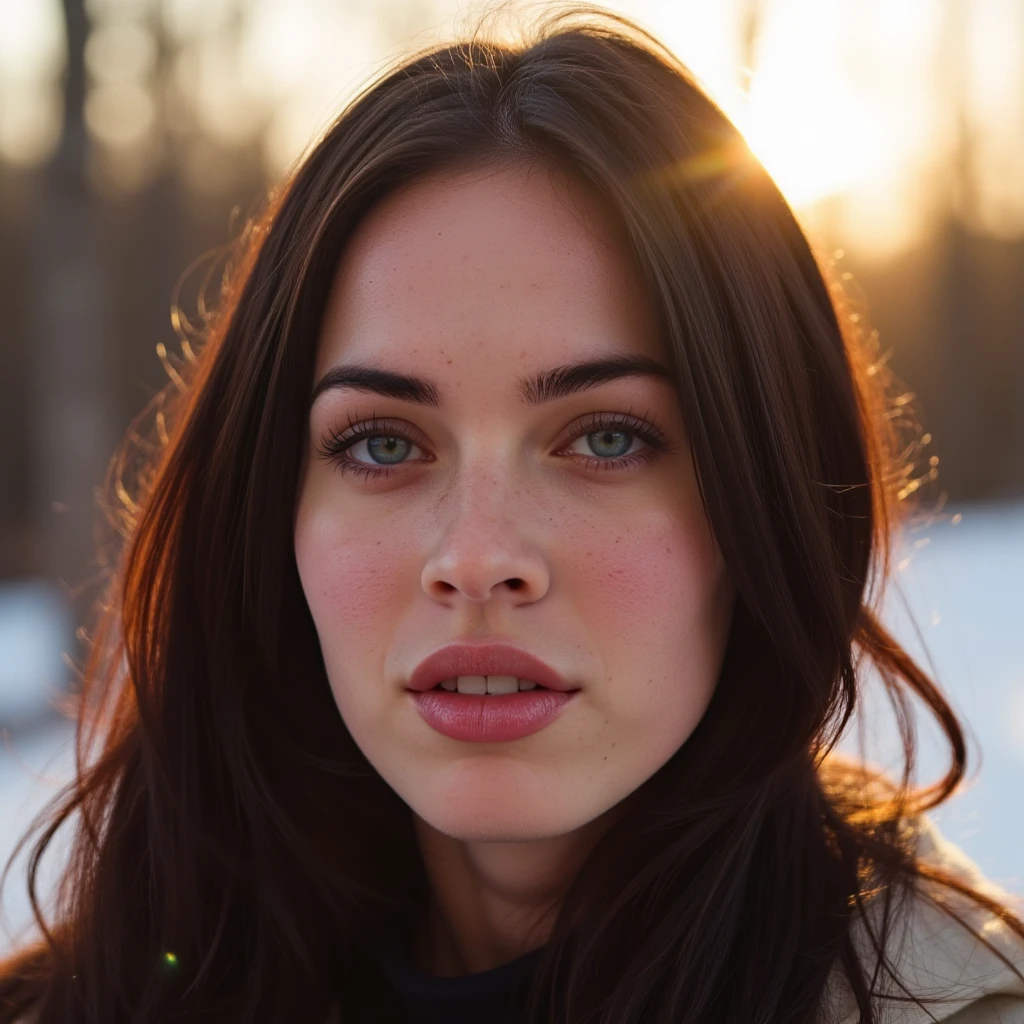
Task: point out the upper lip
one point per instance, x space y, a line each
484 659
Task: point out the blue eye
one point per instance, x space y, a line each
385 449
608 436
609 443
386 445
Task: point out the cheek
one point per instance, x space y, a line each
355 577
353 574
651 572
657 604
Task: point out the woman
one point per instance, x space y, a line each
526 381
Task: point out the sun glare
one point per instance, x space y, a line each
837 100
803 116
814 143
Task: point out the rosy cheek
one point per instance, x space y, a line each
645 569
352 578
651 594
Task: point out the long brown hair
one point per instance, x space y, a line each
234 847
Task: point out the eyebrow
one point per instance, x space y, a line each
545 386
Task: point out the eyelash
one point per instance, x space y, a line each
335 445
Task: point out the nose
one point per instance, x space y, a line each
484 553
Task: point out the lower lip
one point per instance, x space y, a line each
491 718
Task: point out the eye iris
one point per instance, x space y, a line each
387 449
607 439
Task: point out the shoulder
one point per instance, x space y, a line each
933 943
991 1010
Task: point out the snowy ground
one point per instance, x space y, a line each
963 584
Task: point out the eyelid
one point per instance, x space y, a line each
336 443
368 426
643 427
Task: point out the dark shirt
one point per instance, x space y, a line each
497 996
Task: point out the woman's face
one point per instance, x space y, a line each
488 513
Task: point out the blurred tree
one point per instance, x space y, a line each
72 432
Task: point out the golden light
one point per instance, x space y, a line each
119 115
32 41
208 73
813 143
30 126
32 54
804 117
840 108
995 101
120 52
304 59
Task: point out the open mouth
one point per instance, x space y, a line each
480 686
462 714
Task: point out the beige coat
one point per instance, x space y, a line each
937 957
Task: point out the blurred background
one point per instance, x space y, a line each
137 135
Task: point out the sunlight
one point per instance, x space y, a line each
814 143
32 52
828 106
32 42
995 97
803 117
305 59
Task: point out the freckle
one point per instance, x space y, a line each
605 758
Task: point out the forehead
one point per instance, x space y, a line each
484 266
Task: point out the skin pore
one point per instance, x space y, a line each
523 521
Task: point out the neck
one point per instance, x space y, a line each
491 902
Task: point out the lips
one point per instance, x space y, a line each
485 659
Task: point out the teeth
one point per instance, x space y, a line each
487 684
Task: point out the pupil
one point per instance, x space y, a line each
607 444
392 449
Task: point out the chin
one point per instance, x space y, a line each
490 820
494 829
